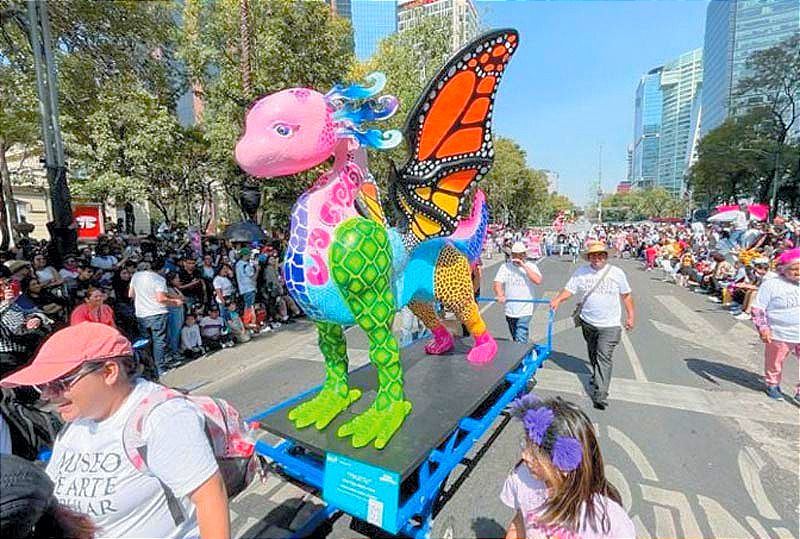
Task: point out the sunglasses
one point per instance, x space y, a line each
65 383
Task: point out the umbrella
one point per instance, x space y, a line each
244 232
728 213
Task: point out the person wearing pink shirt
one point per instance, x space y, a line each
94 309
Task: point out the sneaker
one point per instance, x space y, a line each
742 316
774 392
600 405
265 329
715 299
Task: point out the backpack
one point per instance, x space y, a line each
233 451
32 430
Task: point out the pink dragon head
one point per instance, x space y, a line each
295 129
285 133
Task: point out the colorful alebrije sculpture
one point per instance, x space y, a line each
344 263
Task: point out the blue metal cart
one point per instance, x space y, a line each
422 487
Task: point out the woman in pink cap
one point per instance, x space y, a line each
776 315
87 372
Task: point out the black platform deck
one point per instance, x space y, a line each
442 389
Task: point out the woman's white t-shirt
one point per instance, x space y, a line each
224 284
528 495
93 475
781 301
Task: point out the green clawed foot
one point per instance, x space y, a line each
322 409
376 425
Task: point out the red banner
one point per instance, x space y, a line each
89 220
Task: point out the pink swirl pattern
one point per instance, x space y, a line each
318 274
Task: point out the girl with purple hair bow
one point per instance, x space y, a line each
558 488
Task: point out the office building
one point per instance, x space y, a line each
647 130
461 16
734 30
372 21
552 180
680 83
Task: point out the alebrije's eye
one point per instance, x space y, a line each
283 130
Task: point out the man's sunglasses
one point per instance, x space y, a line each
65 383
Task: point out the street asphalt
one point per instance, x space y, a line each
691 441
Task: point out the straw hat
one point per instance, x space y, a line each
595 247
519 248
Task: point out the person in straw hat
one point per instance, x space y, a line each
598 314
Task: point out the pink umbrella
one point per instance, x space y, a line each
728 213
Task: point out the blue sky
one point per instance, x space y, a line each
571 84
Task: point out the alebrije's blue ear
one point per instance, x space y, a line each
356 91
374 138
370 111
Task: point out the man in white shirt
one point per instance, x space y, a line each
739 227
246 275
150 300
601 286
515 280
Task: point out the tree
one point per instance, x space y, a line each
642 204
732 163
18 125
517 194
290 44
95 43
557 203
774 82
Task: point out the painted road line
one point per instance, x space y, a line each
638 371
750 465
633 451
721 522
735 404
737 343
641 531
618 480
674 500
665 527
757 527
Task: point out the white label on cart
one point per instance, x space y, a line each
375 512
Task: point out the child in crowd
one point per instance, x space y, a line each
559 488
191 342
650 256
213 331
235 324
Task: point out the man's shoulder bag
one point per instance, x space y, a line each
576 314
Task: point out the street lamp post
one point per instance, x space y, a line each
60 229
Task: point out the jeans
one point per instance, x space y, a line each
600 343
175 319
519 328
249 298
155 328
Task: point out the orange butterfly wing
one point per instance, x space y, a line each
449 133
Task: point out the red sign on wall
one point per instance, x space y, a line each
89 221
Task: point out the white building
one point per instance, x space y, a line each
552 181
462 15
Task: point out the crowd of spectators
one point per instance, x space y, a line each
188 295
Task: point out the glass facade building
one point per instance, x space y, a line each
680 82
372 21
461 14
734 30
646 130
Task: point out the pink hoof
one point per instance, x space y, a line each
484 350
441 343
